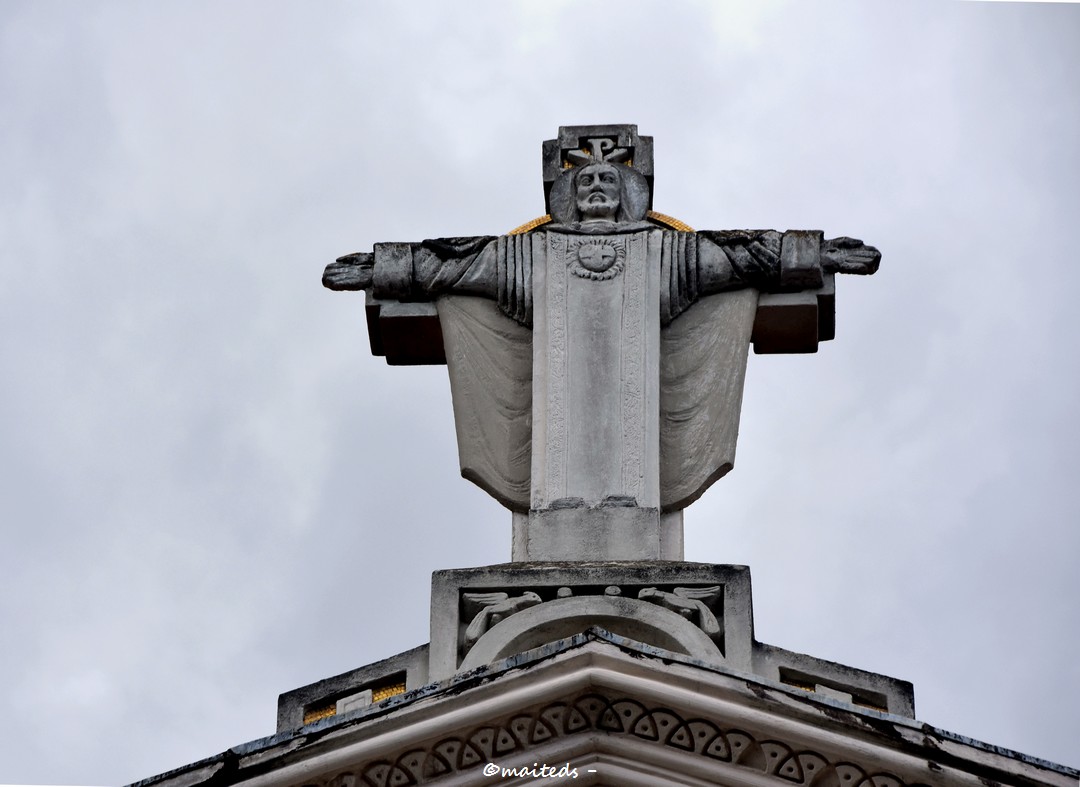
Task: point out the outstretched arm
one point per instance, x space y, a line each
793 271
734 259
771 261
417 271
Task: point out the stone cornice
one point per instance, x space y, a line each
592 702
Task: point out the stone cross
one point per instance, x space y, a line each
597 354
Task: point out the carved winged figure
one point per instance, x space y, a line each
688 602
494 607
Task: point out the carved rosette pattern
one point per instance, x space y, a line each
514 737
580 249
634 347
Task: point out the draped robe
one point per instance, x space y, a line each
707 300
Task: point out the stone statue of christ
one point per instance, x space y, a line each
597 360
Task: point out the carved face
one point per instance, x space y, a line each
597 192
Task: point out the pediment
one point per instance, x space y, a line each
616 716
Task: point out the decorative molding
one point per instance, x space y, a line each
701 605
556 443
638 307
514 736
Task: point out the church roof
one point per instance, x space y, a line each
601 709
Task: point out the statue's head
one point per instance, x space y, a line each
599 191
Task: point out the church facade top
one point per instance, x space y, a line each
597 355
596 361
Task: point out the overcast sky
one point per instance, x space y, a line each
211 493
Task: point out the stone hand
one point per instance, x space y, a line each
351 272
849 255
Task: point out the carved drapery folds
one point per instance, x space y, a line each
702 368
490 362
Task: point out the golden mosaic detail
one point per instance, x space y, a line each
669 221
386 692
529 226
660 218
317 712
379 692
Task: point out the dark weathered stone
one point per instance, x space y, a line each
350 272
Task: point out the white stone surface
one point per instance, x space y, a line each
353 702
702 370
596 359
489 358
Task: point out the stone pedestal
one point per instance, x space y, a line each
482 616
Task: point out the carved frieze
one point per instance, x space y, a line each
511 739
480 611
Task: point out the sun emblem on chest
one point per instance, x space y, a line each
597 258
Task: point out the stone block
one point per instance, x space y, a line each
836 681
602 532
786 322
410 667
485 614
353 702
795 322
622 136
407 334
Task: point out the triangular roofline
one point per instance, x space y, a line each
630 713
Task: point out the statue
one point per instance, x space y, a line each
597 355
